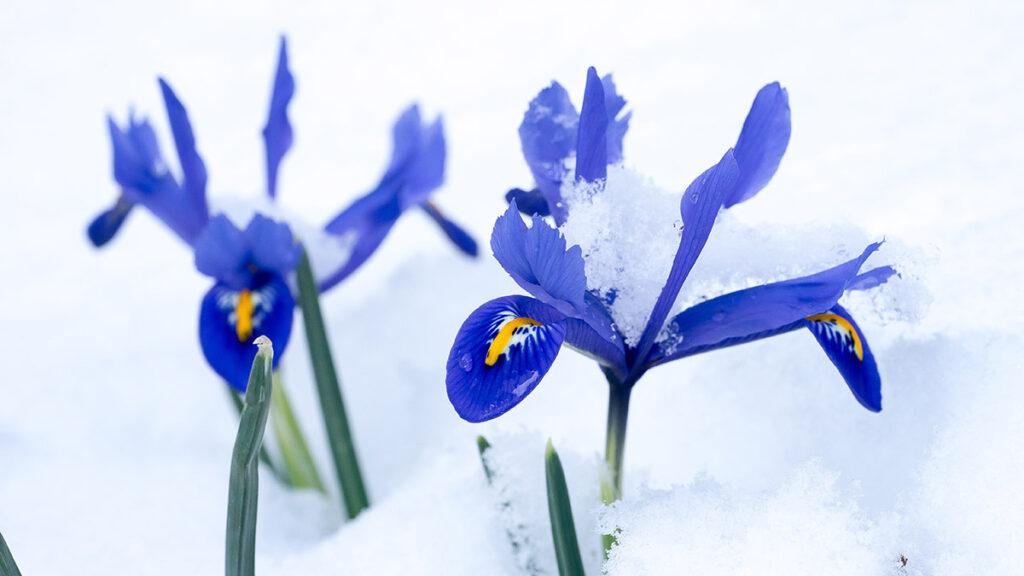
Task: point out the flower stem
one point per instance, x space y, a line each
339 436
291 442
618 412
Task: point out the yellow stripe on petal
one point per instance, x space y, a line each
840 323
504 337
243 316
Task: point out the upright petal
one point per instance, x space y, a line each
192 167
230 319
847 348
426 169
699 208
501 353
592 136
405 136
417 160
548 137
222 252
277 133
617 127
272 246
762 142
757 312
140 170
537 259
462 240
530 202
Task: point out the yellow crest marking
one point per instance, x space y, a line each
845 324
501 341
243 315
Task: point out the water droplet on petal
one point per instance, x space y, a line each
466 362
718 316
523 386
694 196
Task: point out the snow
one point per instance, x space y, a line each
115 437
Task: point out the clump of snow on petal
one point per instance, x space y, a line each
628 229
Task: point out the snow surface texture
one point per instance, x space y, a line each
115 437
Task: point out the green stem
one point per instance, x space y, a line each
615 444
236 401
291 442
8 567
343 451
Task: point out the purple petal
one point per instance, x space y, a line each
140 170
426 171
530 202
192 166
584 339
762 142
462 240
872 278
222 252
592 137
617 128
758 312
699 208
501 353
548 137
537 259
272 247
277 133
845 345
104 226
226 350
369 237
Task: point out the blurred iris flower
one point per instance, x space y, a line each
251 295
252 266
505 347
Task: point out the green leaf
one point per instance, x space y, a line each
339 436
291 442
236 401
243 483
8 567
482 446
563 529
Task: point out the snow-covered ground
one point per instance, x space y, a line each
115 437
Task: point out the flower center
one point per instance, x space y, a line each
502 341
841 328
243 315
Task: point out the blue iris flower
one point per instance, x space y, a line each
505 347
250 296
251 266
416 169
